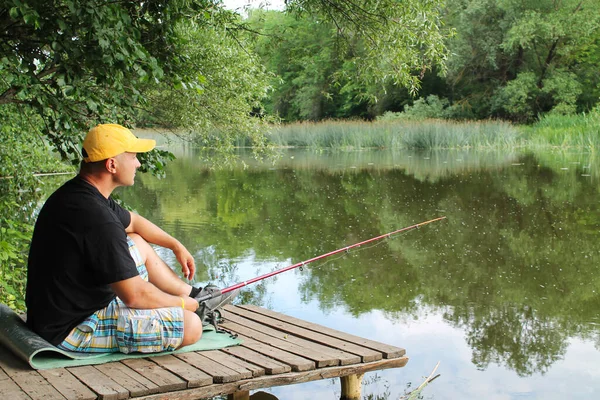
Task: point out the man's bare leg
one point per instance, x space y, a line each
159 273
192 328
161 276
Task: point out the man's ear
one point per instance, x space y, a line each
111 165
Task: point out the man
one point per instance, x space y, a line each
94 284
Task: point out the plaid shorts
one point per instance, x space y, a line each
117 328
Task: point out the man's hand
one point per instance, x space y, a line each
188 265
153 234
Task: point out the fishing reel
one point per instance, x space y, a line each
210 301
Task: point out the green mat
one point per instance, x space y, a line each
31 348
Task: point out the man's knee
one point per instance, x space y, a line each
143 247
137 239
192 328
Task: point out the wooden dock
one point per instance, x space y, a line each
276 350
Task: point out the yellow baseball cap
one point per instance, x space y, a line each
108 140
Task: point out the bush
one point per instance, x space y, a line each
22 153
431 107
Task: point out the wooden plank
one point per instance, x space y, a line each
344 358
297 363
323 373
29 380
321 360
10 390
235 364
366 354
387 350
283 379
269 365
136 384
165 380
67 384
102 385
192 375
219 373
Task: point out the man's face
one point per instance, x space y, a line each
127 164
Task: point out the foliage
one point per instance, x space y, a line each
76 63
14 243
518 59
333 61
431 107
398 38
303 57
215 91
511 59
518 97
22 152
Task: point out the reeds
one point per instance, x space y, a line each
428 134
565 131
581 131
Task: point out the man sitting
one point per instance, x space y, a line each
94 284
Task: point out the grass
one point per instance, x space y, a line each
553 131
428 134
565 131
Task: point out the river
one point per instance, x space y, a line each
503 293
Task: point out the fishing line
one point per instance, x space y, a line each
369 246
362 248
345 249
216 293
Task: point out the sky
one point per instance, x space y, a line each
239 4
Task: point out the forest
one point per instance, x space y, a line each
512 60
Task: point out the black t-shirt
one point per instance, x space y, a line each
79 247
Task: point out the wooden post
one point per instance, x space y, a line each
351 386
239 395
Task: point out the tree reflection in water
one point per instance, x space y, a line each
513 266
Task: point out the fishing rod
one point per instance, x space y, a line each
212 292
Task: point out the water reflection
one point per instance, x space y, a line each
513 267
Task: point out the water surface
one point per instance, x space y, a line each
504 293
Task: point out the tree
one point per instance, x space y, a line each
339 61
517 59
398 38
79 62
216 94
302 56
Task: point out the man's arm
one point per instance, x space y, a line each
137 293
153 234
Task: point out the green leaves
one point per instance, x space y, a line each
25 12
155 161
212 93
14 243
336 59
80 62
22 153
515 59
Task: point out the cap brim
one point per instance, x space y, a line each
142 146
